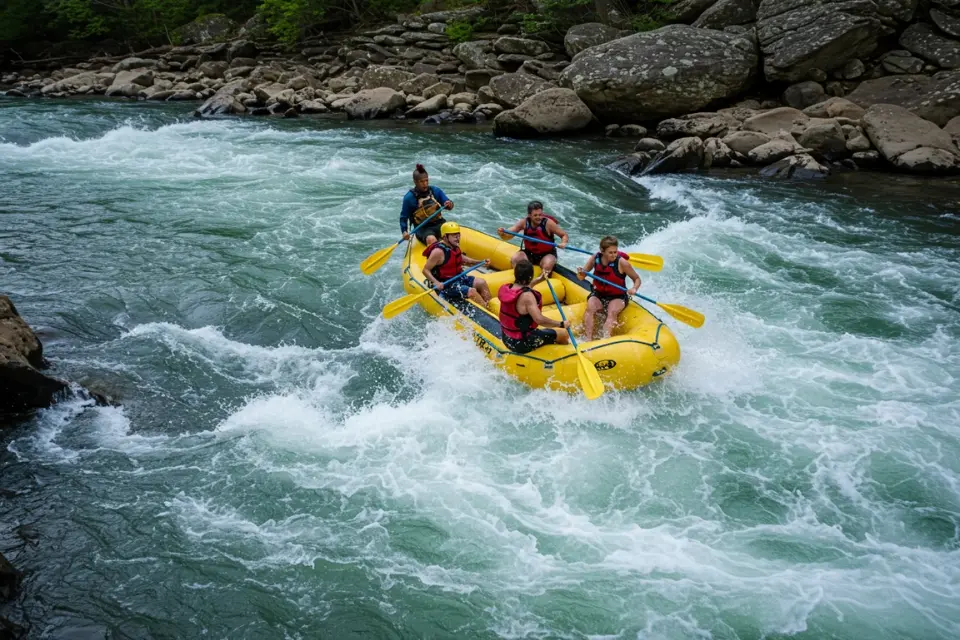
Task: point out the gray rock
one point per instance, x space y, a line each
428 107
134 63
512 89
589 34
798 36
369 104
416 86
473 54
649 144
835 108
632 164
853 69
22 385
551 112
858 143
936 98
716 154
894 11
440 88
702 125
804 94
778 148
909 142
801 166
953 129
390 77
688 10
683 154
866 158
946 22
212 69
724 13
922 40
512 44
743 142
775 120
663 73
825 138
901 62
476 78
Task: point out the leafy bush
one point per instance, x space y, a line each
460 31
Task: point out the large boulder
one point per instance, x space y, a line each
550 112
935 98
22 385
373 103
702 125
922 40
683 154
726 13
390 77
658 74
512 89
743 142
474 54
797 36
909 142
771 122
209 28
801 166
589 34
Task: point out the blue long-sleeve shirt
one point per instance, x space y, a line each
410 205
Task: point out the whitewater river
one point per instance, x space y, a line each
287 464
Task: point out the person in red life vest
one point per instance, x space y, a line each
613 265
538 225
445 260
520 316
419 203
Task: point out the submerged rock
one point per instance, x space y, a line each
22 385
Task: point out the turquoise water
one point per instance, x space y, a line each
286 464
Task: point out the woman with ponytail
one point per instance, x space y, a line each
419 203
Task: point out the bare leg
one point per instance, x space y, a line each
562 336
517 258
431 239
593 306
482 288
614 307
547 263
474 295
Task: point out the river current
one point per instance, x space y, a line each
287 464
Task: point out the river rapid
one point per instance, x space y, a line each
287 464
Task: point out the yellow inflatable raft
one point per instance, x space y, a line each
641 350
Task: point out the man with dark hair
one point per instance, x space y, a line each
612 265
541 226
418 203
520 314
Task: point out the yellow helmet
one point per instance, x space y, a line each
449 227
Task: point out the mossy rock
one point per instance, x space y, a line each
213 27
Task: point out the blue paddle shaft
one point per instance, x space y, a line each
563 316
552 244
616 286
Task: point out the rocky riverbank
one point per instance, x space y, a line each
797 89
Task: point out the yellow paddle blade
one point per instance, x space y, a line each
400 305
693 318
646 261
589 378
377 260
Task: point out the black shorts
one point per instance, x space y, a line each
432 228
605 300
535 339
535 258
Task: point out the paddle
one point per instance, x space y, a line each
689 316
586 372
378 259
642 260
400 305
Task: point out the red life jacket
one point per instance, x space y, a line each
512 324
540 233
610 272
452 264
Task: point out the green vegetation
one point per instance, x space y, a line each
151 22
